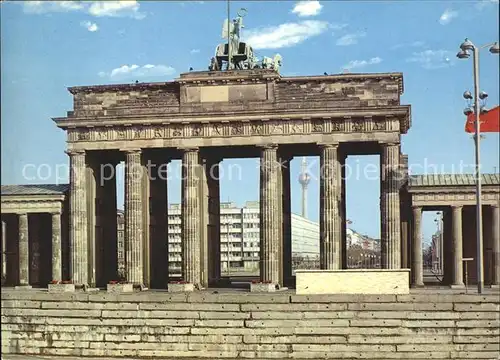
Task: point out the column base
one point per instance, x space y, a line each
119 288
495 286
417 286
180 287
22 287
263 287
61 288
457 286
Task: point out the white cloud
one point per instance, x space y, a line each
90 26
336 27
307 8
350 39
480 5
41 7
407 45
362 63
447 16
136 71
116 9
285 35
124 8
433 59
194 51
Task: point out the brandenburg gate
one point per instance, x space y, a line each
201 118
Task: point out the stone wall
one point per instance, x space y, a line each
222 92
127 99
338 94
232 325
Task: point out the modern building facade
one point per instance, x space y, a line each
239 239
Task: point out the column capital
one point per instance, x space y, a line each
456 207
416 207
495 206
56 213
131 151
189 149
390 143
71 152
269 147
332 145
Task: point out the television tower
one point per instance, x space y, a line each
304 179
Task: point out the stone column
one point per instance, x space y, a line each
279 220
133 217
390 207
287 222
330 232
269 225
343 211
4 250
56 247
417 263
213 246
405 204
78 233
495 237
447 251
191 246
204 219
146 218
457 248
24 265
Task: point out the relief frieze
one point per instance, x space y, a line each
197 130
177 131
216 130
357 125
257 128
317 126
138 133
336 126
226 129
159 132
83 135
296 127
101 134
120 133
379 125
277 127
237 129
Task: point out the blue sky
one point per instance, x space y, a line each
48 46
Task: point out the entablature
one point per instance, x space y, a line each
24 204
247 126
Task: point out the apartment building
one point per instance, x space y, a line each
240 238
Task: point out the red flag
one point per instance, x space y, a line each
490 122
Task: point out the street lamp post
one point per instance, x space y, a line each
465 48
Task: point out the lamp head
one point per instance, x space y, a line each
467 95
467 45
483 95
463 54
467 111
484 111
495 48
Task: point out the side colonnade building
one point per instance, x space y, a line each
202 118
